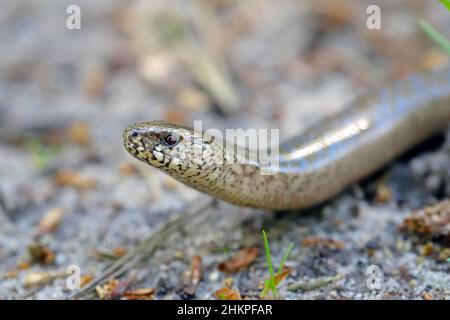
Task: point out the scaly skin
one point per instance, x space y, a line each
316 165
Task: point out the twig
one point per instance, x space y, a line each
314 283
435 35
204 59
146 248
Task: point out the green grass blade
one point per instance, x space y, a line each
286 255
445 3
435 35
266 289
269 262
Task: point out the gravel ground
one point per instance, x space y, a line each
69 190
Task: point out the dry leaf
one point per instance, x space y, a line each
85 279
79 132
119 251
35 279
334 13
433 58
68 178
242 259
41 254
280 277
226 293
50 221
196 269
430 221
24 265
120 287
175 116
94 82
324 242
140 294
104 291
127 169
427 296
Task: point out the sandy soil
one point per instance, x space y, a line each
71 195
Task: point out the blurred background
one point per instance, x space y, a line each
70 193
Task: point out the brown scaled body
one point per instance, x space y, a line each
316 165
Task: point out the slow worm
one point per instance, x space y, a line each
313 166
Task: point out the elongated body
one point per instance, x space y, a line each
317 164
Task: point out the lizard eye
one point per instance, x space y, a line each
134 134
171 140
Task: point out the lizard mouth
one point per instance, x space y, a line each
131 147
